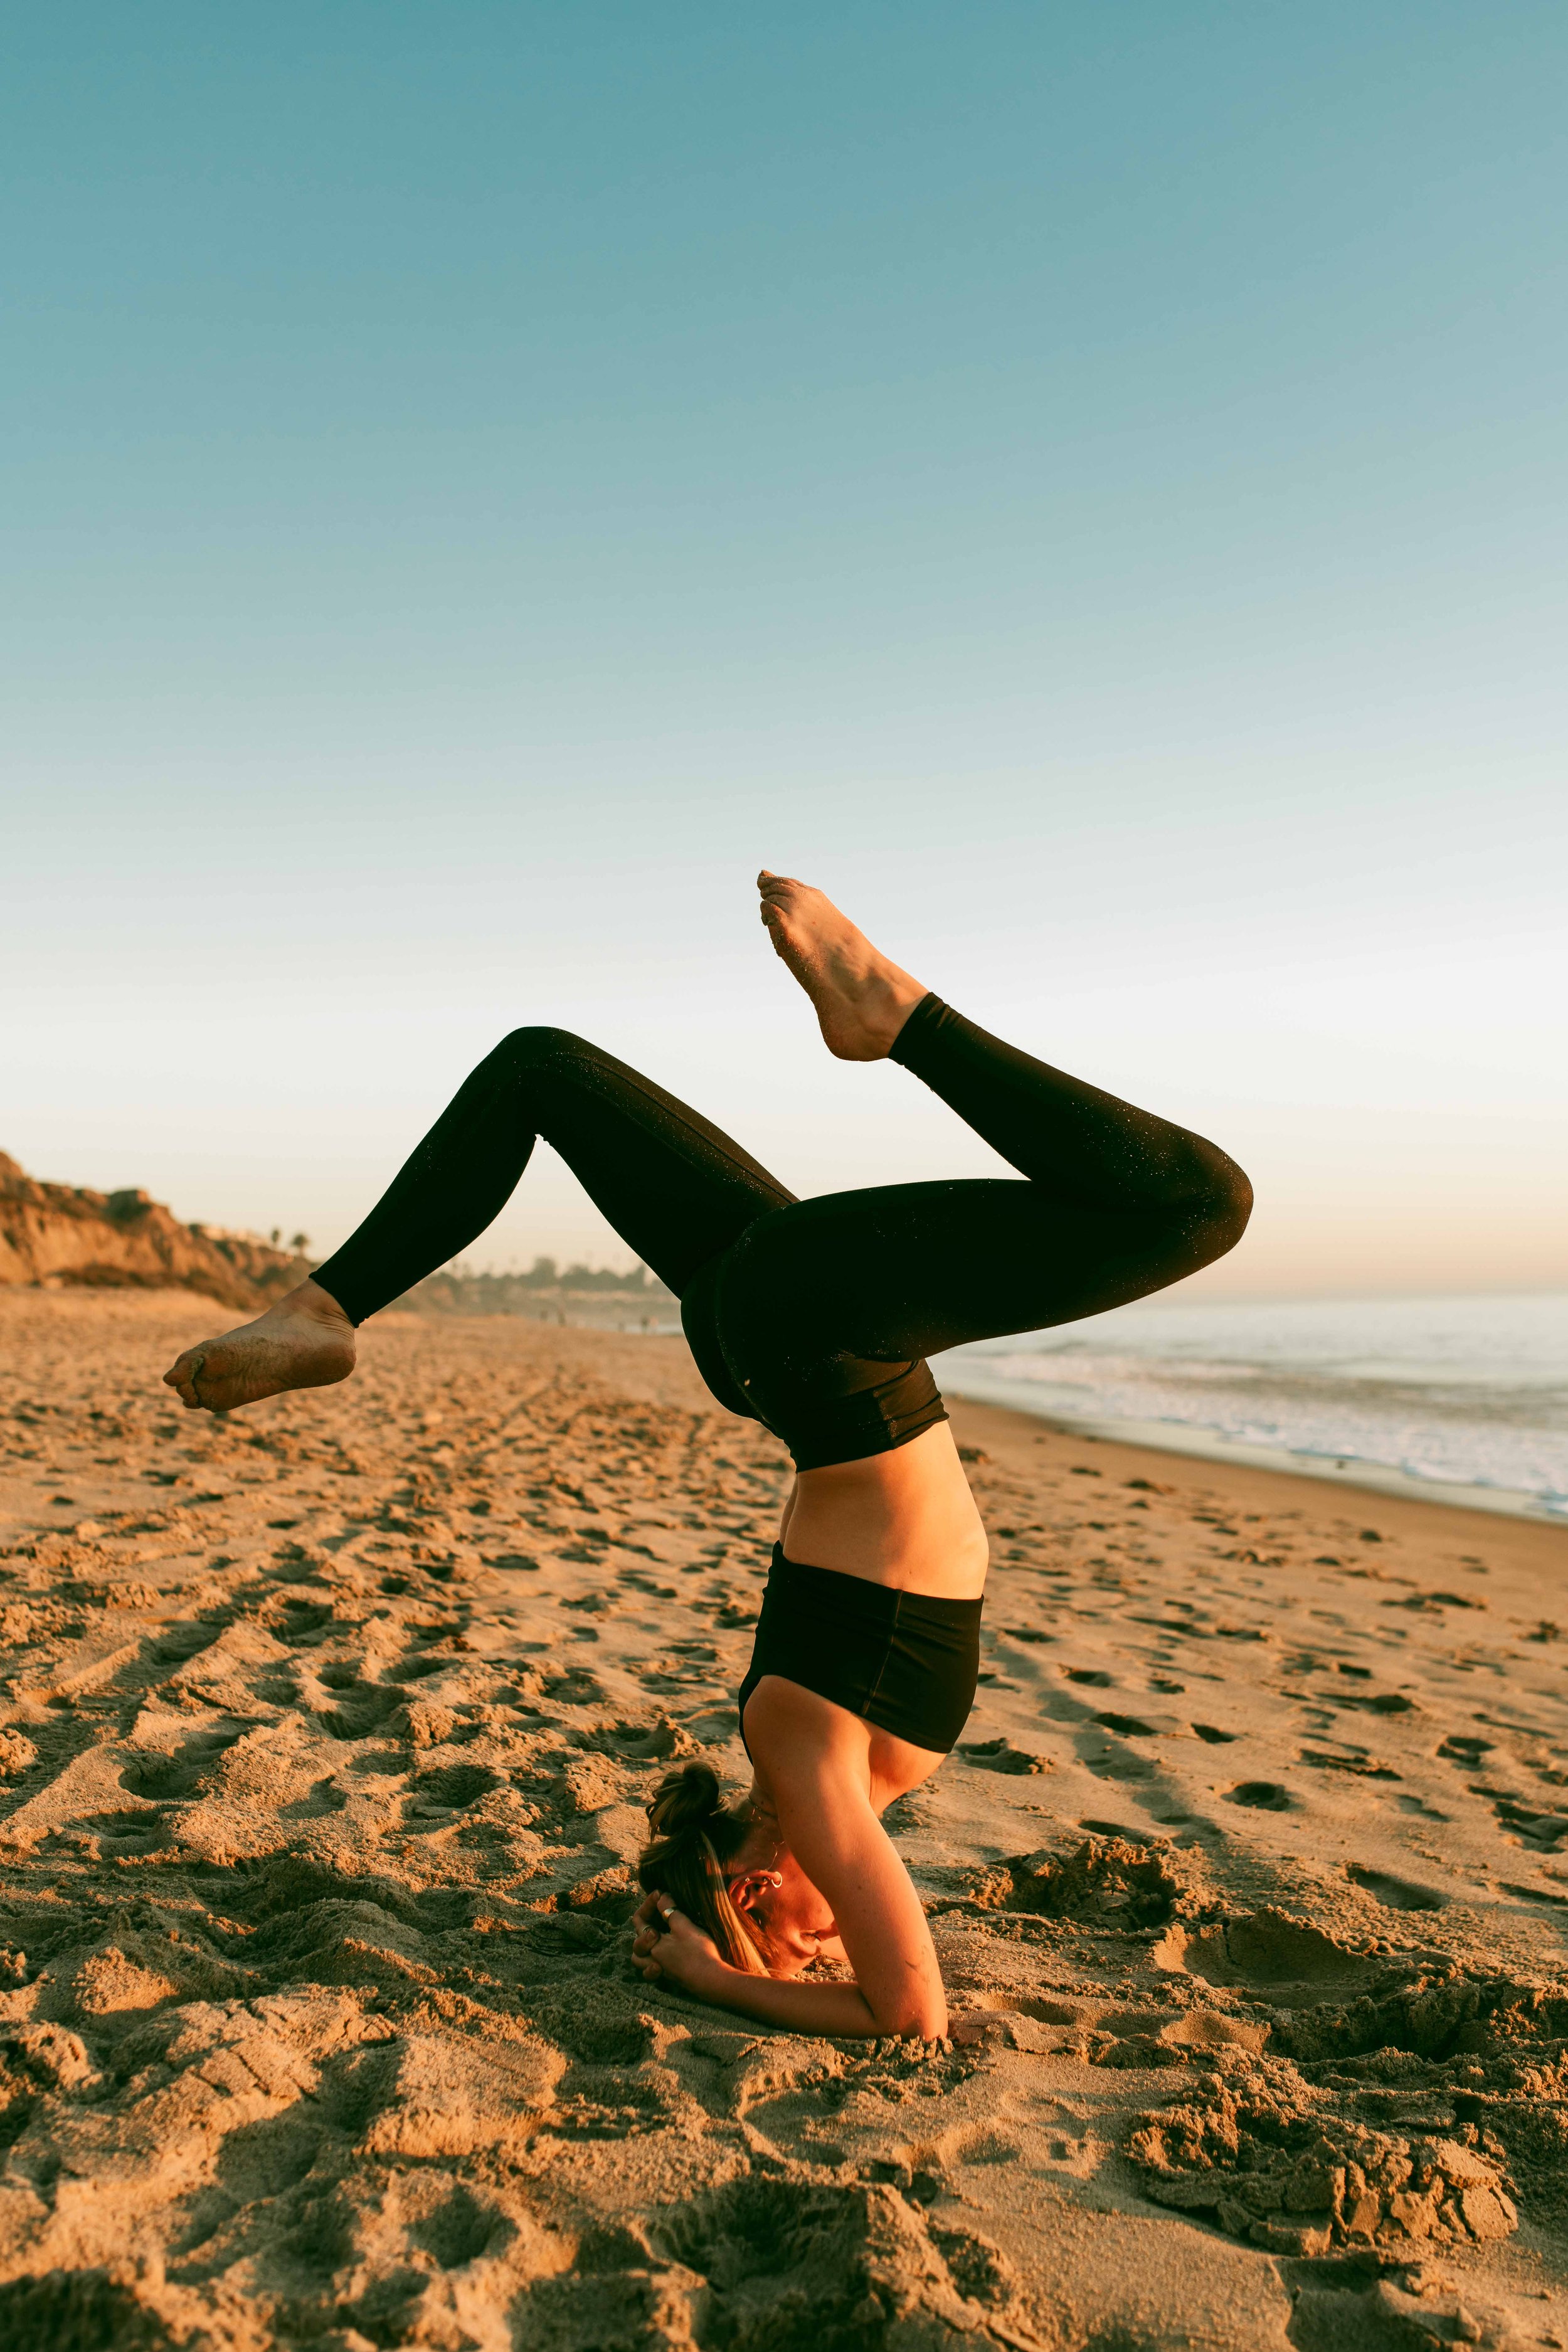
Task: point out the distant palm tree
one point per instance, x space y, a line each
299 1244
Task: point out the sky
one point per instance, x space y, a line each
1084 486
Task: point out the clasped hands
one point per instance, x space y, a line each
668 1944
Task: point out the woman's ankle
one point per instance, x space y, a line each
307 1298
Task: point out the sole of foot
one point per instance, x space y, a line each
861 999
306 1341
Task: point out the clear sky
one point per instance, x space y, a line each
1084 484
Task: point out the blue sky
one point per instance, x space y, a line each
1085 485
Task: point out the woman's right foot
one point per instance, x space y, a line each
861 1000
306 1341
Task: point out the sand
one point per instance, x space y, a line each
325 1735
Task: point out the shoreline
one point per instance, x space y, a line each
1019 1446
1198 1442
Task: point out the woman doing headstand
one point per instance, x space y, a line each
815 1317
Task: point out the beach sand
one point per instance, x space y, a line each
325 1739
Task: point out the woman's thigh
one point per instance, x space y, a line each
832 1290
788 1729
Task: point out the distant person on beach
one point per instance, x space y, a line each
813 1317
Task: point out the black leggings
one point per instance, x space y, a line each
815 1317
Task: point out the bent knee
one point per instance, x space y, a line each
529 1049
1228 1212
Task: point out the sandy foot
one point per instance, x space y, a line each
306 1341
861 999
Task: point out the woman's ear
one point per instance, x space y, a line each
748 1890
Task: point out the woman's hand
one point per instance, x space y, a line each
668 1944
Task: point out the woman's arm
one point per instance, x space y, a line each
828 1823
670 1944
815 1759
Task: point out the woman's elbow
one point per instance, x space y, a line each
918 2019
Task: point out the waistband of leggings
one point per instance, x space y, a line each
869 1422
832 1589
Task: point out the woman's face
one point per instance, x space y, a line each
794 1922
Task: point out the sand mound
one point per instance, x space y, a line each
322 1755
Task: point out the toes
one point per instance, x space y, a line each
182 1375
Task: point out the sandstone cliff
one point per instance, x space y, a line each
56 1233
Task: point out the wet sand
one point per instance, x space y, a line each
325 1735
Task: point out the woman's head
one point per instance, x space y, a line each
726 1867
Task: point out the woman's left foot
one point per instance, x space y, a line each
861 1000
306 1341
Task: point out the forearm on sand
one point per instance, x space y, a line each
786 2001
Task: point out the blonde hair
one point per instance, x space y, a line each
695 1835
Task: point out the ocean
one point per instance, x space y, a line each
1442 1393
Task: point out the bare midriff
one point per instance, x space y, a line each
905 1518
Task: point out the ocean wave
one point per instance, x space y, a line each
1465 1391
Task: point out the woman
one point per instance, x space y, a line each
814 1316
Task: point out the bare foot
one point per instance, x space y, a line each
306 1341
862 1000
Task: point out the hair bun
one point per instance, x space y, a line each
694 1836
685 1803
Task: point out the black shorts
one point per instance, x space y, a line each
906 1662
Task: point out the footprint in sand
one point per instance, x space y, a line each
1000 1755
299 1622
177 1644
362 1707
451 1787
1398 1893
1463 1748
323 1799
575 1688
182 1772
1291 1961
1261 1796
1543 1830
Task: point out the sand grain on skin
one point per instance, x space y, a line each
325 1735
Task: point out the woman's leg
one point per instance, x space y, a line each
675 1188
820 1298
1117 1202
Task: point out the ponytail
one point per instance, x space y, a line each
694 1835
